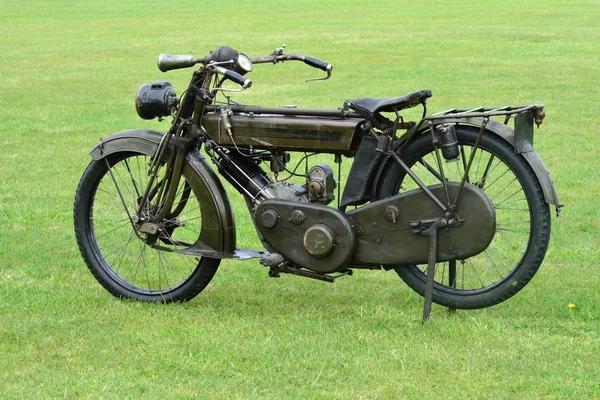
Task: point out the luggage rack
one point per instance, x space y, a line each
537 111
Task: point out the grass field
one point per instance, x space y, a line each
68 75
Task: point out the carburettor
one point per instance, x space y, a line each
321 184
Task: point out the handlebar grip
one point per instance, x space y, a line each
313 62
237 78
168 62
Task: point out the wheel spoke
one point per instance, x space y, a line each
504 188
498 178
139 268
431 170
122 248
476 273
111 231
487 254
486 172
133 181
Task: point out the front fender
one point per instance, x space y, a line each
217 237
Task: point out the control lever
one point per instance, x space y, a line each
328 69
279 51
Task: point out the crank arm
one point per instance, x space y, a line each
284 269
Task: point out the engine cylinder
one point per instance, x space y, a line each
242 173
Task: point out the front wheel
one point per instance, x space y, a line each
130 263
522 220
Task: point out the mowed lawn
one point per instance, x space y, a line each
68 75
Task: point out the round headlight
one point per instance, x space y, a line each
155 100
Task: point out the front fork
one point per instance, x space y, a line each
157 203
181 137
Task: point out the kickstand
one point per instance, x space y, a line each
432 232
452 280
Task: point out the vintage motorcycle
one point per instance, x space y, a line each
456 203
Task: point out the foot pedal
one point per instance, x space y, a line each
272 260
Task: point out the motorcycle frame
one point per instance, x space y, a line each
183 140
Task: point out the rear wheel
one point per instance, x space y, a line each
522 220
130 263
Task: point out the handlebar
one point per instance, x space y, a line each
313 62
168 62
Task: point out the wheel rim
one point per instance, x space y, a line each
514 227
125 254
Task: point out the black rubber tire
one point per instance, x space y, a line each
198 274
523 268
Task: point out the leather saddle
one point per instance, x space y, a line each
368 106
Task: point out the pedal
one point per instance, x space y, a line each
272 260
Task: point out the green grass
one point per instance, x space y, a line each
68 74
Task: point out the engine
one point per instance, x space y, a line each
287 191
293 220
247 177
319 187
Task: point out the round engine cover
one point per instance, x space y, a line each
319 240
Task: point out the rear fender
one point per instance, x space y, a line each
217 237
522 142
368 164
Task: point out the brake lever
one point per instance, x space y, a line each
220 89
329 70
211 66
